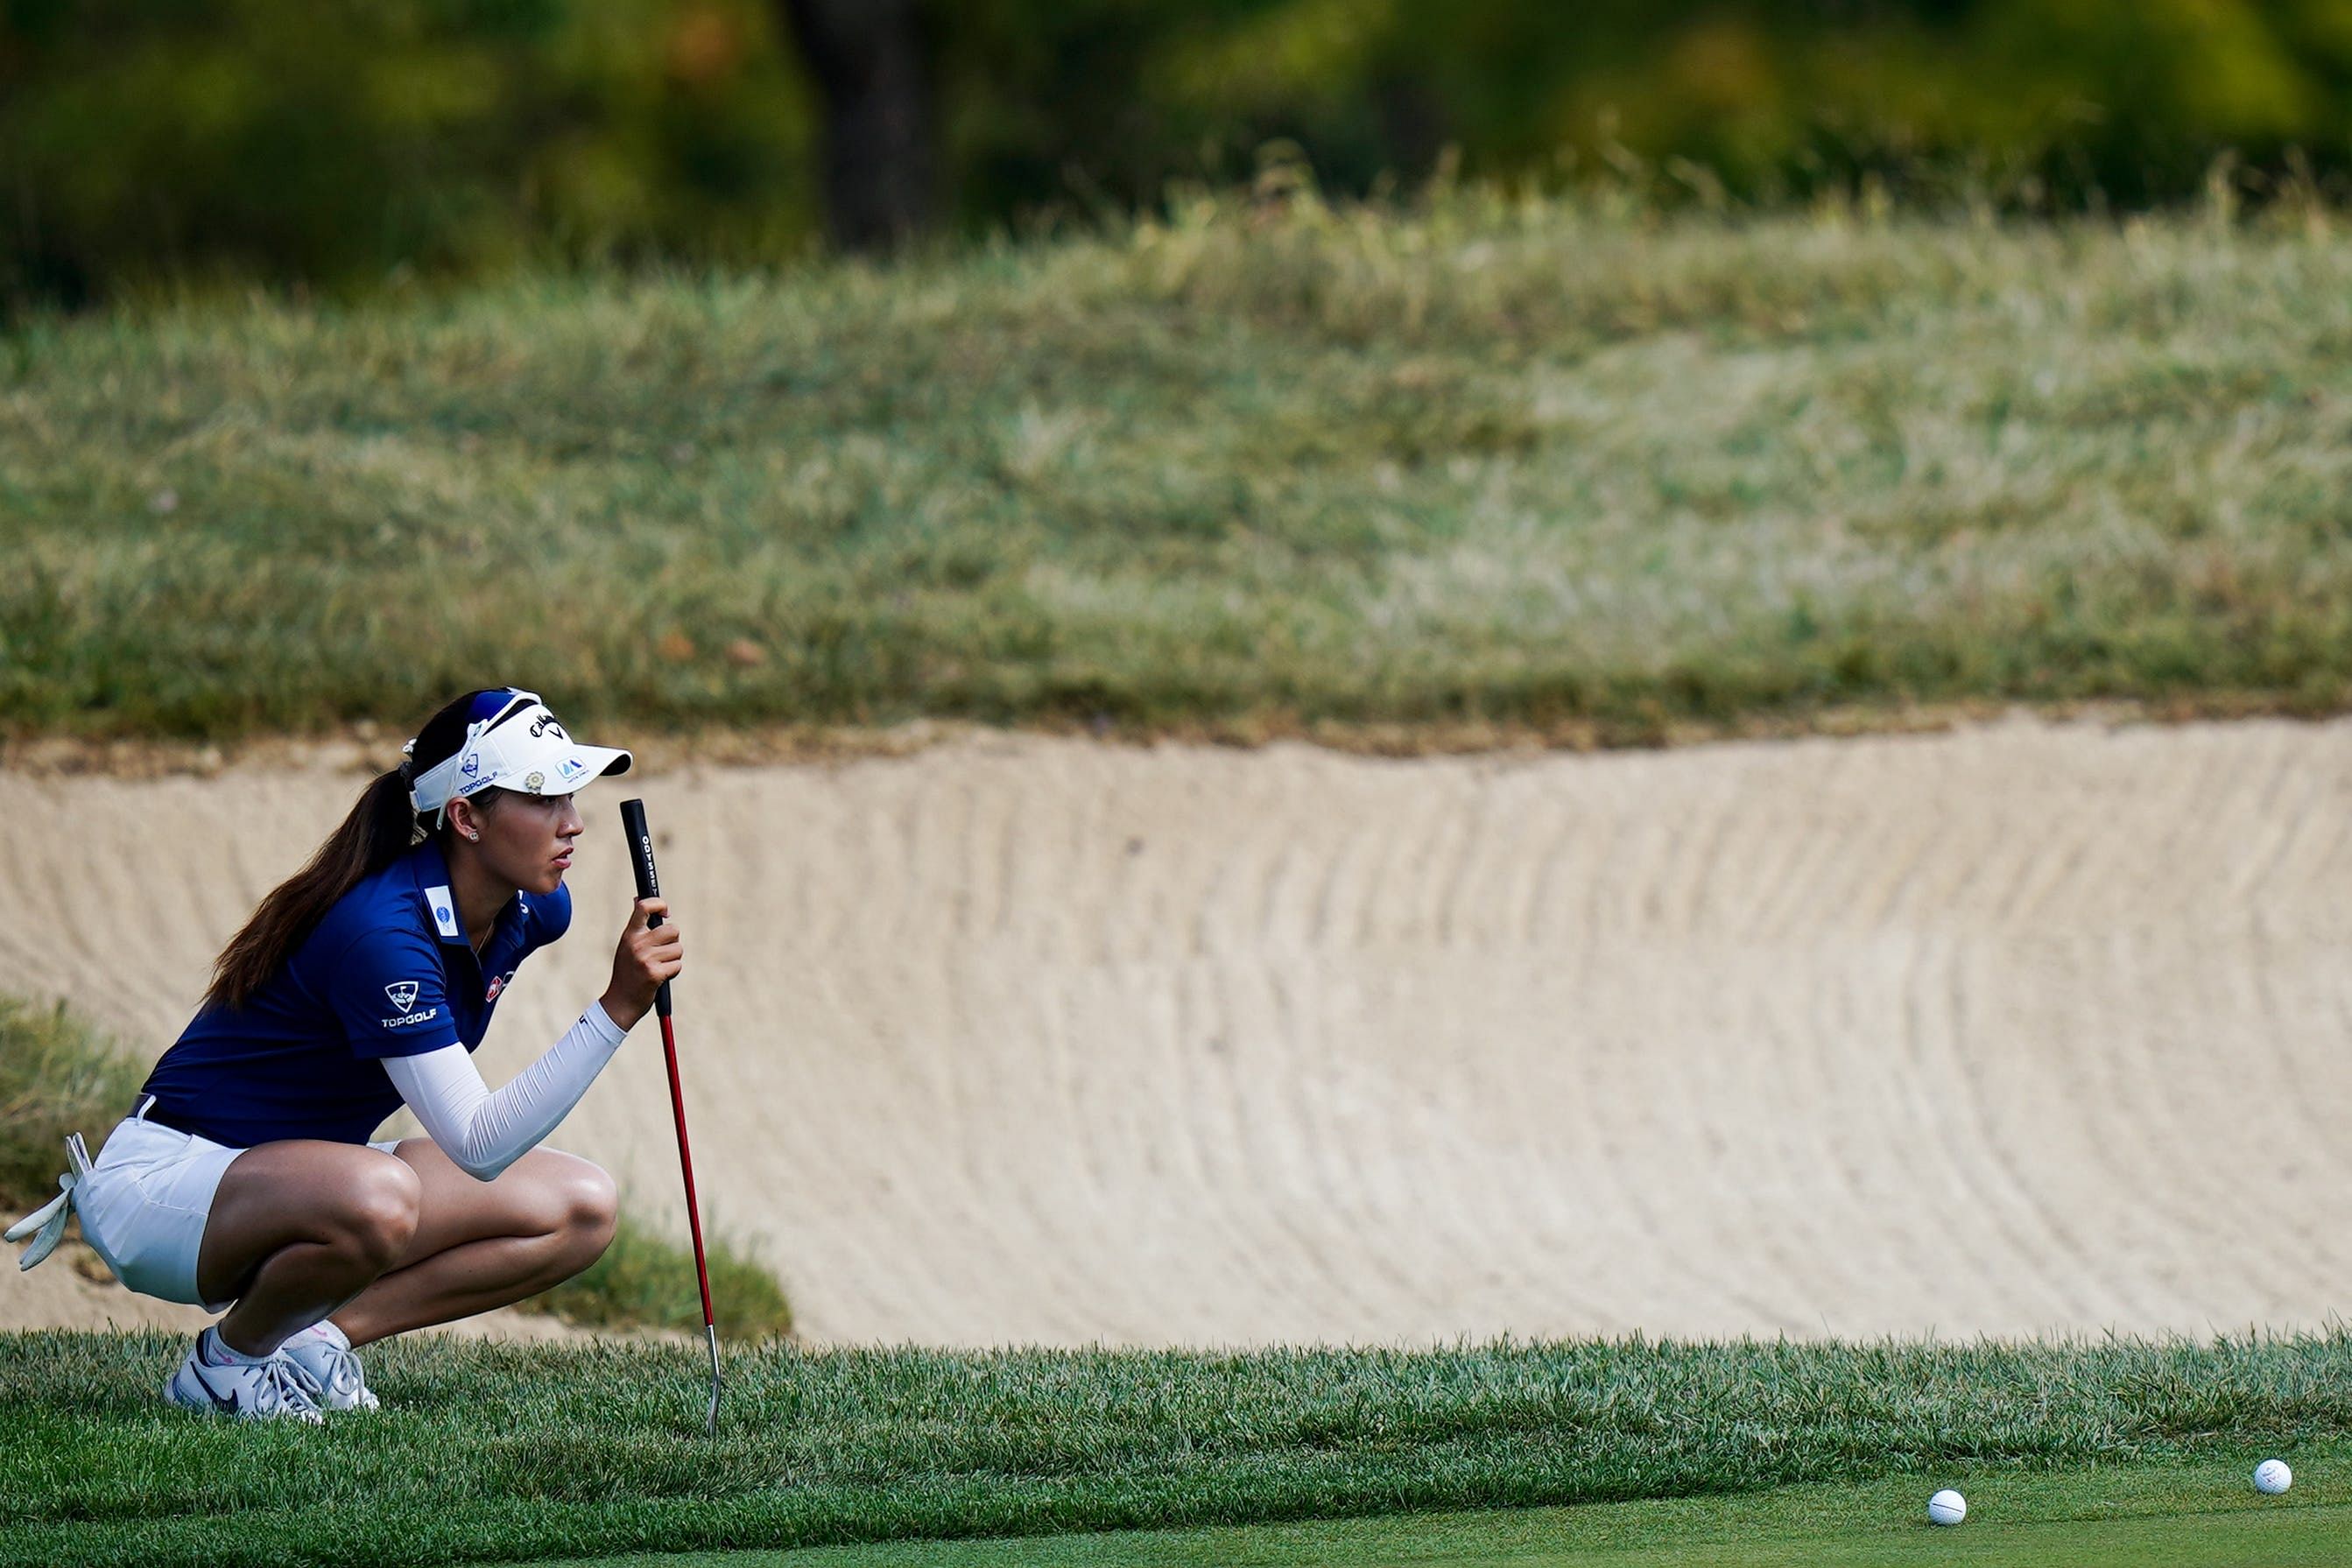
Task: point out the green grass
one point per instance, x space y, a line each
645 1279
59 1075
490 1451
1559 463
2202 1511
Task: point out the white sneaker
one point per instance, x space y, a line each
330 1368
265 1390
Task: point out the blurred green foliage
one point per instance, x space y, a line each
2029 100
343 143
348 144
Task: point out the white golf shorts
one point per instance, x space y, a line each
144 1203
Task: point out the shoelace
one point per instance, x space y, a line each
343 1374
280 1382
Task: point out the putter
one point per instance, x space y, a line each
641 860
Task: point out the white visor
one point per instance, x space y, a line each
521 748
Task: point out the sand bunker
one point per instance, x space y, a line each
2019 1029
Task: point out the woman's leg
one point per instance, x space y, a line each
479 1245
297 1228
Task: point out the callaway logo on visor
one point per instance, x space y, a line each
403 994
511 742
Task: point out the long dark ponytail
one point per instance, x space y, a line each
380 828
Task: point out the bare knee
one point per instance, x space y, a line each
377 1213
582 1206
592 1206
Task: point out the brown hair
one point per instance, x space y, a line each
380 828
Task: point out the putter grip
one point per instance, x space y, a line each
641 862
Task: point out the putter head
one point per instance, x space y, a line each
710 1332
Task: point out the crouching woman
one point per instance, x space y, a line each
244 1179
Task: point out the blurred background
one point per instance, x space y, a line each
350 147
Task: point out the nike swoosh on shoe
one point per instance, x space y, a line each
230 1405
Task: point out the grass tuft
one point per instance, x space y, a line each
645 1280
58 1074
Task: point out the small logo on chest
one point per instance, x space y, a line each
498 984
403 994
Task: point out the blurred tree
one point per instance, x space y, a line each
342 144
867 57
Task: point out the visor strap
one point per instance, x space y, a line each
439 776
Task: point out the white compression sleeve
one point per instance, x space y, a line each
486 1133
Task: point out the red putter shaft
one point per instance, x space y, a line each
693 1206
641 861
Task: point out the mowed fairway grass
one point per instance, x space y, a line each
492 1453
2135 1515
1572 466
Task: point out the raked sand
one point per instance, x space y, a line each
2018 1029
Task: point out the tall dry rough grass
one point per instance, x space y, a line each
1273 463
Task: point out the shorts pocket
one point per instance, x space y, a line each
144 1203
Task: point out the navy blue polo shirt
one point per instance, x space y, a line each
388 972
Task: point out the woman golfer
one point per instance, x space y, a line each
244 1179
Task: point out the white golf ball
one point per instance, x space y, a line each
1947 1506
2272 1476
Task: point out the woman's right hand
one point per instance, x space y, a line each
647 956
